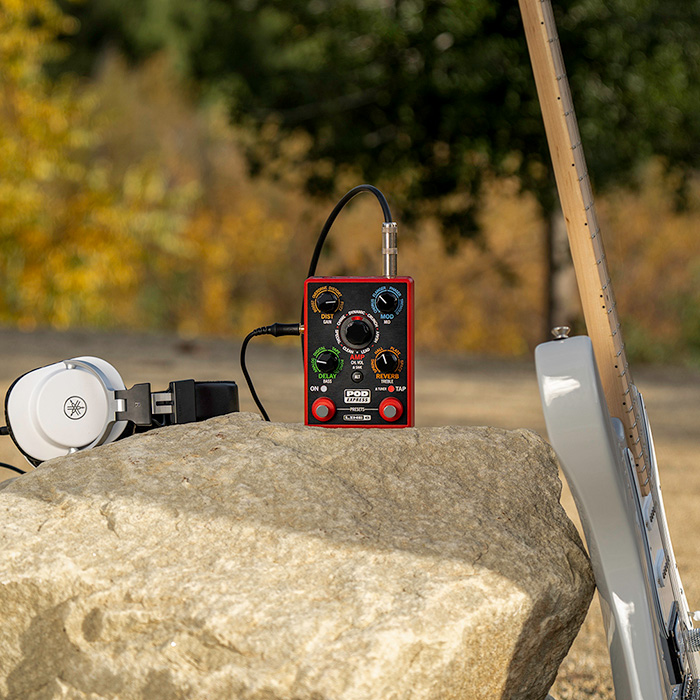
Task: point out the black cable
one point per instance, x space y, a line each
5 465
4 430
276 329
334 214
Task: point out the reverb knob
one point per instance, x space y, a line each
386 302
391 409
387 362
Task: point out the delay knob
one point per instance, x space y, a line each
387 362
327 362
327 302
323 409
386 302
391 409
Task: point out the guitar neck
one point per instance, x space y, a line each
587 251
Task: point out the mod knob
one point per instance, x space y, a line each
356 332
323 409
386 302
327 362
391 409
387 362
327 302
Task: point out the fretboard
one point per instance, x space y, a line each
585 241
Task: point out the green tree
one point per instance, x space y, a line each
428 95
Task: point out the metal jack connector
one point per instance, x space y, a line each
390 250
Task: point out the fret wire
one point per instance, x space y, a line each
579 164
548 16
581 170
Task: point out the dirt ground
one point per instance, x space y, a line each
456 390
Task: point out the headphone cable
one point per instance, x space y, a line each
4 430
5 465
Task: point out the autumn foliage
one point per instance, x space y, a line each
123 205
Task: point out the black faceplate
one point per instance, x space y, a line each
358 386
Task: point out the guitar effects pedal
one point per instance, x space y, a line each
358 352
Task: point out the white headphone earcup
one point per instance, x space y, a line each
114 383
64 407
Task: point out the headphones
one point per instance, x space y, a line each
81 403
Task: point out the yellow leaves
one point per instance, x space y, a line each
229 256
68 232
144 184
654 255
124 206
28 29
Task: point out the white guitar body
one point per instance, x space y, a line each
653 648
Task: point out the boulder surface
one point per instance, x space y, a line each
241 559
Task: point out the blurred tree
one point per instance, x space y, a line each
74 235
424 94
429 95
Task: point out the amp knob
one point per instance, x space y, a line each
356 332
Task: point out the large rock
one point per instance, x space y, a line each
242 559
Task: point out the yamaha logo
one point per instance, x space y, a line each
75 407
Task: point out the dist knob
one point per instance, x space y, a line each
327 362
387 362
386 302
327 302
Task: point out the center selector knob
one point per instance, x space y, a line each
327 302
327 362
387 362
356 332
386 302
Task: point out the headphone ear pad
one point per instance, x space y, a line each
64 407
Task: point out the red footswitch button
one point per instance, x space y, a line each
391 409
323 409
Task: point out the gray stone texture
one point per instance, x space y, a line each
241 559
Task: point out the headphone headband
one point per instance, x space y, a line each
185 401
